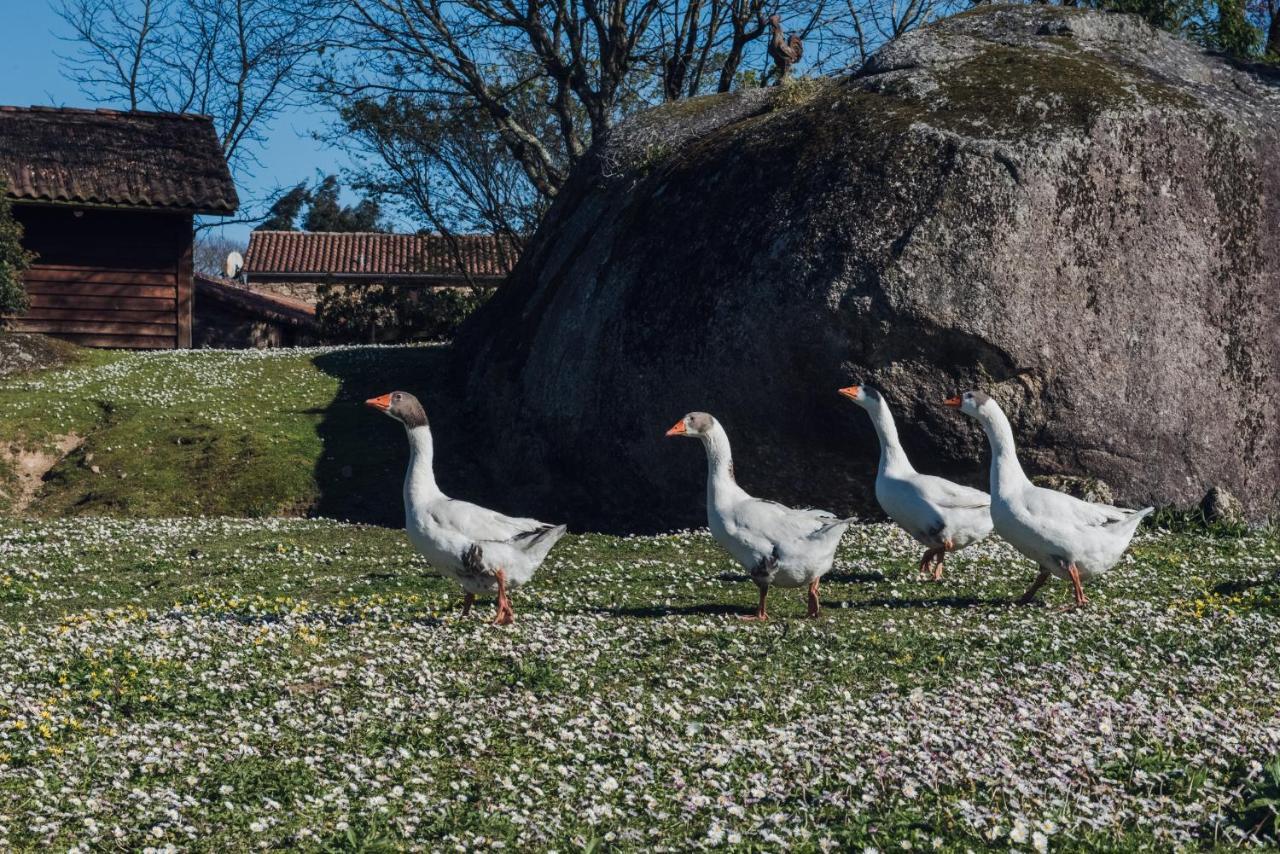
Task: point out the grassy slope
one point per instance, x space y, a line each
210 432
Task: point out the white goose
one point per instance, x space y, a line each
1072 539
483 550
941 515
774 543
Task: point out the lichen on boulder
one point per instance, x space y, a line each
1067 208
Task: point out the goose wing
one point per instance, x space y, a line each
481 523
1059 508
778 523
950 496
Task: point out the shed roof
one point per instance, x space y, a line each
115 158
268 306
323 254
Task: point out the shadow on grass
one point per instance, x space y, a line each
361 468
852 577
920 602
829 578
347 618
1231 588
712 609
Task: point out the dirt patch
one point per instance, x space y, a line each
28 468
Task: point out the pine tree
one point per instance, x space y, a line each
283 215
1232 32
326 213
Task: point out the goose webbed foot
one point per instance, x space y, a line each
505 615
760 616
931 556
947 546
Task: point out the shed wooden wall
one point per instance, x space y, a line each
108 278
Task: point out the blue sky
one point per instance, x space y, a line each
30 73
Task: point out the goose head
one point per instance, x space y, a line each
401 406
864 396
696 424
975 404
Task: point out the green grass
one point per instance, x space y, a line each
220 683
211 432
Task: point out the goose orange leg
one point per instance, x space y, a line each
760 615
813 600
1034 588
947 546
1076 587
467 602
505 616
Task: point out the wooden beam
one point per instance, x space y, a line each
125 342
93 327
186 286
104 290
64 300
163 314
96 275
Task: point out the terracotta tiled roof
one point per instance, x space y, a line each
272 307
368 255
108 157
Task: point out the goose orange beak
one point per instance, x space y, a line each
678 430
851 392
953 402
382 403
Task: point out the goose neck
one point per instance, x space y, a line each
893 459
1006 471
720 478
420 479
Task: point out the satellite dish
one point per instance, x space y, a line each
235 263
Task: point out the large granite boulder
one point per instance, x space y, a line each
1069 209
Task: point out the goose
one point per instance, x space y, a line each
941 515
1072 539
481 549
777 545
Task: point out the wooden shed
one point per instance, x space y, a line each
107 201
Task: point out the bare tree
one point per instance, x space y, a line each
209 255
484 52
239 61
436 163
874 22
746 24
116 44
589 61
705 37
